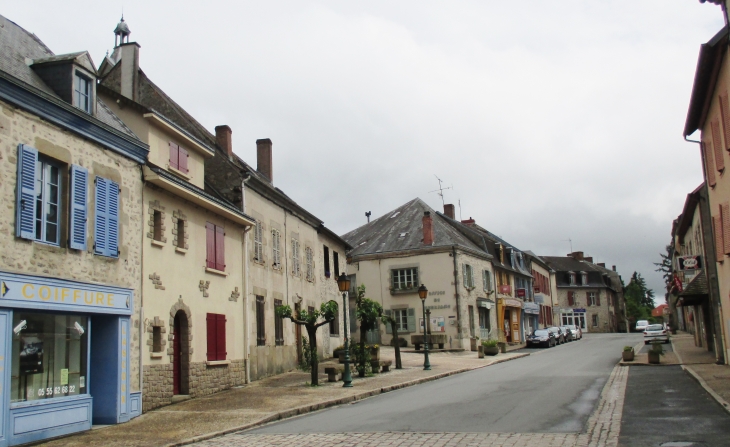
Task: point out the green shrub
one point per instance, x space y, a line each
628 348
489 343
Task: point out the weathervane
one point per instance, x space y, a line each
440 191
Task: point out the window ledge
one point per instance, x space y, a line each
181 250
403 291
179 173
218 362
156 355
216 272
157 243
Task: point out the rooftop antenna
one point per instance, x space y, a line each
460 210
571 243
367 214
440 191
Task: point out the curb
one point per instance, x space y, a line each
723 403
333 403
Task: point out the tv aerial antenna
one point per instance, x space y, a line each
441 189
571 243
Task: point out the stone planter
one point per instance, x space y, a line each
628 356
481 352
654 358
473 344
375 354
491 350
502 347
341 356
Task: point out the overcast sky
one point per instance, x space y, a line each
549 120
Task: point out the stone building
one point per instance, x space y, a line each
588 295
545 289
70 270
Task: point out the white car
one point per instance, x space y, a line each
641 325
656 332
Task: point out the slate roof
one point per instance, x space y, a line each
564 264
20 48
696 287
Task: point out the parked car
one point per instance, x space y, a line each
656 332
575 330
541 337
568 333
641 325
559 335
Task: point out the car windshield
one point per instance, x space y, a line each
655 327
541 333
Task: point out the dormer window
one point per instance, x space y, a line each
571 278
83 94
584 278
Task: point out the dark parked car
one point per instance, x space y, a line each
541 337
558 333
568 333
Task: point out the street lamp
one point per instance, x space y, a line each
343 282
423 293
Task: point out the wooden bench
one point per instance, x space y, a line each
377 364
333 371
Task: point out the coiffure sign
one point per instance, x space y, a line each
685 263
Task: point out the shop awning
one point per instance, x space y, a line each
695 293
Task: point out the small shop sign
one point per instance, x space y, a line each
685 263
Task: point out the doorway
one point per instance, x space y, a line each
180 354
507 330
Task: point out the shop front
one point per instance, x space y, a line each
64 357
531 312
573 316
511 319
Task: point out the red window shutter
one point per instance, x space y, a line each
598 298
221 337
725 213
709 163
717 227
571 301
210 244
174 151
183 160
725 112
220 259
210 321
717 144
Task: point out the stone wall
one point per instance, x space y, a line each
157 386
207 379
270 360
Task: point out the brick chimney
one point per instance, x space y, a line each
223 138
577 255
613 267
264 163
427 228
449 210
470 222
589 259
601 264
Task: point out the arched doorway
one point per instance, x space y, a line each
181 354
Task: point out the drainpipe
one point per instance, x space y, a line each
244 289
456 293
142 328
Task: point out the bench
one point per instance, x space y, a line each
375 365
332 372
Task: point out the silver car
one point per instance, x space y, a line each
575 330
656 332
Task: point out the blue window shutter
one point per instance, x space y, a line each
113 227
25 200
79 187
412 320
101 247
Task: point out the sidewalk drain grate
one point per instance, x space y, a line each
678 444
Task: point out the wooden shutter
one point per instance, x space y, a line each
211 333
25 199
101 213
709 163
717 144
411 319
113 227
174 155
725 214
463 274
77 216
220 338
598 298
571 300
719 246
260 321
182 160
220 247
210 245
725 112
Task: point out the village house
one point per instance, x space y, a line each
71 264
545 289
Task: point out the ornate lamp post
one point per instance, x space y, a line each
423 293
343 282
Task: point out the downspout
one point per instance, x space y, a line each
244 288
456 293
142 329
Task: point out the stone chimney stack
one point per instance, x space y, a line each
589 259
601 264
264 162
427 228
470 222
449 210
129 72
223 138
577 255
613 267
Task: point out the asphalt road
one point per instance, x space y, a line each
554 390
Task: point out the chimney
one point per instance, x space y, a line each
577 255
223 138
264 162
449 210
589 259
470 222
427 228
601 264
613 267
129 72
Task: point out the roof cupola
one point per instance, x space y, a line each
121 32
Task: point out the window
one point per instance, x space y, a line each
180 239
309 255
468 275
49 354
157 221
178 158
216 328
215 247
335 325
48 202
336 262
327 271
295 265
584 278
591 298
401 319
594 320
258 242
156 338
106 227
571 299
487 280
83 94
260 320
278 325
404 279
571 278
276 247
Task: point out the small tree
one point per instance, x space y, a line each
388 320
368 312
309 320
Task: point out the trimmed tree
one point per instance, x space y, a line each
367 313
310 321
390 321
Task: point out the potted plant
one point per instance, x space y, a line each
628 354
655 353
490 347
374 352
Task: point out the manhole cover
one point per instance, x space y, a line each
678 444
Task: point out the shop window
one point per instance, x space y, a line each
295 264
156 339
178 158
49 356
157 225
216 337
309 256
404 279
327 271
276 247
278 325
215 247
106 226
260 322
594 320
